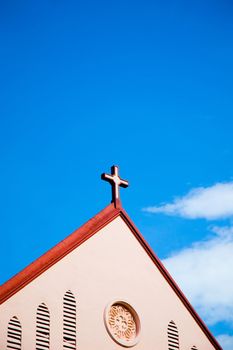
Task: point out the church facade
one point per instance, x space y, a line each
100 288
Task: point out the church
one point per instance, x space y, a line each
101 288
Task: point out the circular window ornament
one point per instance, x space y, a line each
122 323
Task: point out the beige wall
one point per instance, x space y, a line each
110 265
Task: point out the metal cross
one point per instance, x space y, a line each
116 182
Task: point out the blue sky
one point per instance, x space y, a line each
142 84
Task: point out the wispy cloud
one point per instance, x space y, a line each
215 202
204 270
205 273
226 341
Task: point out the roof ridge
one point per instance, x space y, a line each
79 236
169 279
56 253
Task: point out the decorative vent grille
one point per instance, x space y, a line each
42 327
173 336
69 321
14 334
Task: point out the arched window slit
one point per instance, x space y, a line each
69 321
173 336
42 327
14 334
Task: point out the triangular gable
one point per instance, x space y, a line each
79 236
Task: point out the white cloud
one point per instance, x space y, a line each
213 202
205 274
226 341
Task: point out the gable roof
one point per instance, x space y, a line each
79 236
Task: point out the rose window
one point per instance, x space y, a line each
122 323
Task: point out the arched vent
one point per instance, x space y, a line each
173 336
42 327
69 321
14 334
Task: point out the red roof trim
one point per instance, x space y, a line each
77 238
169 279
55 254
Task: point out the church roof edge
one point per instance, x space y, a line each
45 261
79 236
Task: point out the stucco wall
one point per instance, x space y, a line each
111 265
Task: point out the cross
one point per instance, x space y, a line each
116 182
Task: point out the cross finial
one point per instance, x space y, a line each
116 182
